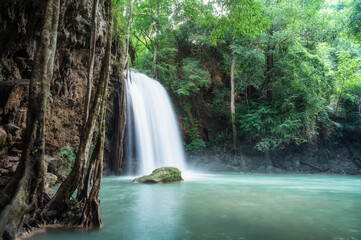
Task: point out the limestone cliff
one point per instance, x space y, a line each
20 25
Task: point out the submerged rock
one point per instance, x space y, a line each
161 175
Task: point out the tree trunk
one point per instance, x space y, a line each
91 215
91 59
68 187
269 66
126 62
24 193
121 114
233 104
156 26
89 79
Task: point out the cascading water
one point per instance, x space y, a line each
152 126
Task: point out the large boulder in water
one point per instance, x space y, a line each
161 175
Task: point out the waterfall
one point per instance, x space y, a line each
153 135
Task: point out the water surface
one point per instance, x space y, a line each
229 206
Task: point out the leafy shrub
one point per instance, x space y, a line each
271 129
67 156
196 145
218 140
194 78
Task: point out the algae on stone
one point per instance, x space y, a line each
161 175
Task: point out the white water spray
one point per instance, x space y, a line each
152 125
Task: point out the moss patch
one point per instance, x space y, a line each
161 175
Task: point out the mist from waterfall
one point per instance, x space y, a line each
153 135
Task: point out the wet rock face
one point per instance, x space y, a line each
13 107
8 166
3 136
161 175
20 26
68 87
19 21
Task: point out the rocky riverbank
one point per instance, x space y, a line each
314 161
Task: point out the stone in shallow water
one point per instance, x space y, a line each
161 175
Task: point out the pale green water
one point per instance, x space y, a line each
229 206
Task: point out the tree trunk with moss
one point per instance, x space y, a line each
233 104
67 188
91 214
91 175
121 116
120 113
91 60
130 16
156 30
89 79
24 192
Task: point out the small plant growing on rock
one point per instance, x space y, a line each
67 156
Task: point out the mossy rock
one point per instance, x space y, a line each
161 175
51 180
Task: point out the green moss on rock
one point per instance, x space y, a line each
161 175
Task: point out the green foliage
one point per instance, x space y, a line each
270 128
196 145
67 153
218 102
250 65
67 156
218 140
295 61
238 17
355 20
193 79
347 78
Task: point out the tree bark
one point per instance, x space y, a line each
156 26
24 193
91 59
233 103
68 187
91 215
269 66
89 175
126 62
121 114
89 80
